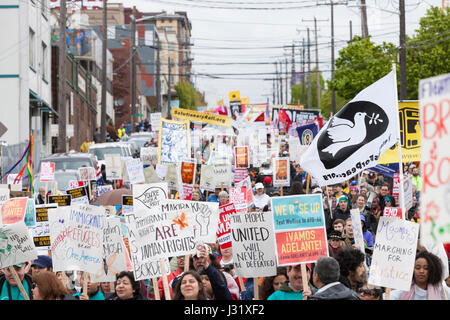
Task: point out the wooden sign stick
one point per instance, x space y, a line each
308 177
255 289
165 281
281 190
19 283
85 282
388 294
45 195
221 186
186 262
155 288
304 276
241 284
89 188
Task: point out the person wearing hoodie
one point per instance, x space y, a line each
293 288
343 209
326 277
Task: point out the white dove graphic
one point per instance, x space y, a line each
345 133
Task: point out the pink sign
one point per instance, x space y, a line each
240 174
396 186
224 228
187 192
73 184
47 171
392 212
13 210
238 196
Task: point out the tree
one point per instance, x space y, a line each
325 103
428 51
189 97
360 64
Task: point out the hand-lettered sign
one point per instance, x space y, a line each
47 171
224 228
13 210
392 212
41 230
16 245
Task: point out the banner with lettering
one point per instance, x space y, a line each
149 196
174 141
41 230
394 254
392 212
113 167
149 155
78 195
76 235
13 210
253 244
238 196
207 178
16 244
281 172
434 98
135 171
187 169
30 213
61 200
223 174
241 159
299 226
223 232
47 172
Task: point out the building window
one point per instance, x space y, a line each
44 61
31 48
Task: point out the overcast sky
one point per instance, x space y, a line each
258 36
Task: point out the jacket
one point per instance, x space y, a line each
135 297
96 296
335 291
219 287
5 293
286 293
339 214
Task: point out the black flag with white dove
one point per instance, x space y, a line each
356 137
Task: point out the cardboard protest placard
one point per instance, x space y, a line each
47 172
16 245
223 174
241 159
41 230
172 177
238 196
135 171
240 174
223 232
248 185
150 175
127 204
392 212
281 170
13 210
435 154
394 254
140 228
357 229
207 178
149 155
187 169
114 260
87 173
30 213
174 141
61 200
149 196
113 166
253 244
78 195
76 235
299 226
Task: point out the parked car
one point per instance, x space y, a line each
100 149
70 161
62 179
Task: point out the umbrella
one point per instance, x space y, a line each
112 198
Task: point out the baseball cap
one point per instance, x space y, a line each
42 261
259 185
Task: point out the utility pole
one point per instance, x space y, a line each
364 27
133 71
169 93
333 95
281 84
402 53
104 80
273 91
158 76
276 83
303 73
62 133
286 80
351 32
309 74
292 67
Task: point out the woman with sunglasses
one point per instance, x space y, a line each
368 292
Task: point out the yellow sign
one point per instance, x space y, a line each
245 100
197 116
220 102
234 95
409 135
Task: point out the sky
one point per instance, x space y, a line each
255 38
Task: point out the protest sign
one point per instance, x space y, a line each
149 196
103 189
41 230
14 182
13 210
161 171
187 168
76 235
47 171
16 245
127 204
86 173
172 177
30 213
73 184
140 231
207 179
114 260
392 212
222 174
434 98
223 232
299 226
241 159
240 174
62 200
135 171
357 230
123 165
187 192
253 244
249 192
113 166
396 185
296 115
4 195
238 196
281 170
155 118
78 195
197 116
150 175
408 193
394 254
173 141
149 155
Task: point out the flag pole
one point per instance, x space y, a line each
401 196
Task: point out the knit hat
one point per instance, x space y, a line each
342 198
335 235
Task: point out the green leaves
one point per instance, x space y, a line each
189 97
